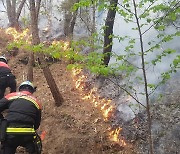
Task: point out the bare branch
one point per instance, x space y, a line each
145 80
148 8
38 5
20 9
3 4
128 93
175 25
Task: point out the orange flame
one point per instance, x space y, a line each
25 36
64 44
104 105
114 136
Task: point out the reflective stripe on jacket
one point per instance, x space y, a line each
23 108
2 64
10 130
24 95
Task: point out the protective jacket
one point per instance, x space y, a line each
18 127
4 68
23 110
7 79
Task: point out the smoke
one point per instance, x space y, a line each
122 29
3 16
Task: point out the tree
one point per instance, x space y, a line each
34 11
69 17
140 13
108 31
13 15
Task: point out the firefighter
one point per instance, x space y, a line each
7 79
18 128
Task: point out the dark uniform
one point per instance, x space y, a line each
23 118
7 79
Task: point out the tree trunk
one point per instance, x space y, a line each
51 82
53 87
34 11
35 37
34 23
13 16
67 19
72 24
70 20
93 26
151 148
109 23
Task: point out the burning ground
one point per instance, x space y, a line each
88 122
76 127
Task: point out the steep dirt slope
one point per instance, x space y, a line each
76 127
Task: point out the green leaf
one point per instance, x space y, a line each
172 16
152 86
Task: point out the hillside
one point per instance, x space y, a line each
76 127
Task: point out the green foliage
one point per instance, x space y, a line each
150 15
163 54
176 62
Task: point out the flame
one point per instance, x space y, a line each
18 36
114 136
103 104
26 36
64 44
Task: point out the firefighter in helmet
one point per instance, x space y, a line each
22 121
7 79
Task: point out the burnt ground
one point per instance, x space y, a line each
76 127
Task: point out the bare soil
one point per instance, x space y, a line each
76 127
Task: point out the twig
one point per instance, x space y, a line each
128 93
174 7
145 81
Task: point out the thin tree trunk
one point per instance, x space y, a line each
34 7
8 3
94 25
38 5
34 23
109 31
53 87
13 16
145 82
72 24
50 80
20 9
35 38
70 21
67 19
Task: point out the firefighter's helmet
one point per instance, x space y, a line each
28 86
3 59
